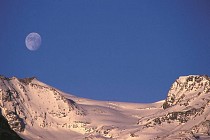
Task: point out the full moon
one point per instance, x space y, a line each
33 41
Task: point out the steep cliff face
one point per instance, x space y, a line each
186 108
35 110
186 89
30 103
6 133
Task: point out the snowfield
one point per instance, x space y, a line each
35 110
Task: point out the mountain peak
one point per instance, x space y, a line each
24 80
27 80
192 78
186 87
23 101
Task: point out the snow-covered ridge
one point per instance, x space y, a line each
38 111
186 88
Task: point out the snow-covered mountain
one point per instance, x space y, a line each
35 110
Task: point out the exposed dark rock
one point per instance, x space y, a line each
176 116
15 122
188 85
6 133
27 80
203 128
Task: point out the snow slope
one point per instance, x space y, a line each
35 110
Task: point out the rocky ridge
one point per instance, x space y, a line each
187 105
18 104
30 107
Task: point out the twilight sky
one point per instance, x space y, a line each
123 50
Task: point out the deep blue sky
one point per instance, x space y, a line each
123 50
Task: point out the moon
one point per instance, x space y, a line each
33 41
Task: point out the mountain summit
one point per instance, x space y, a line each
30 109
